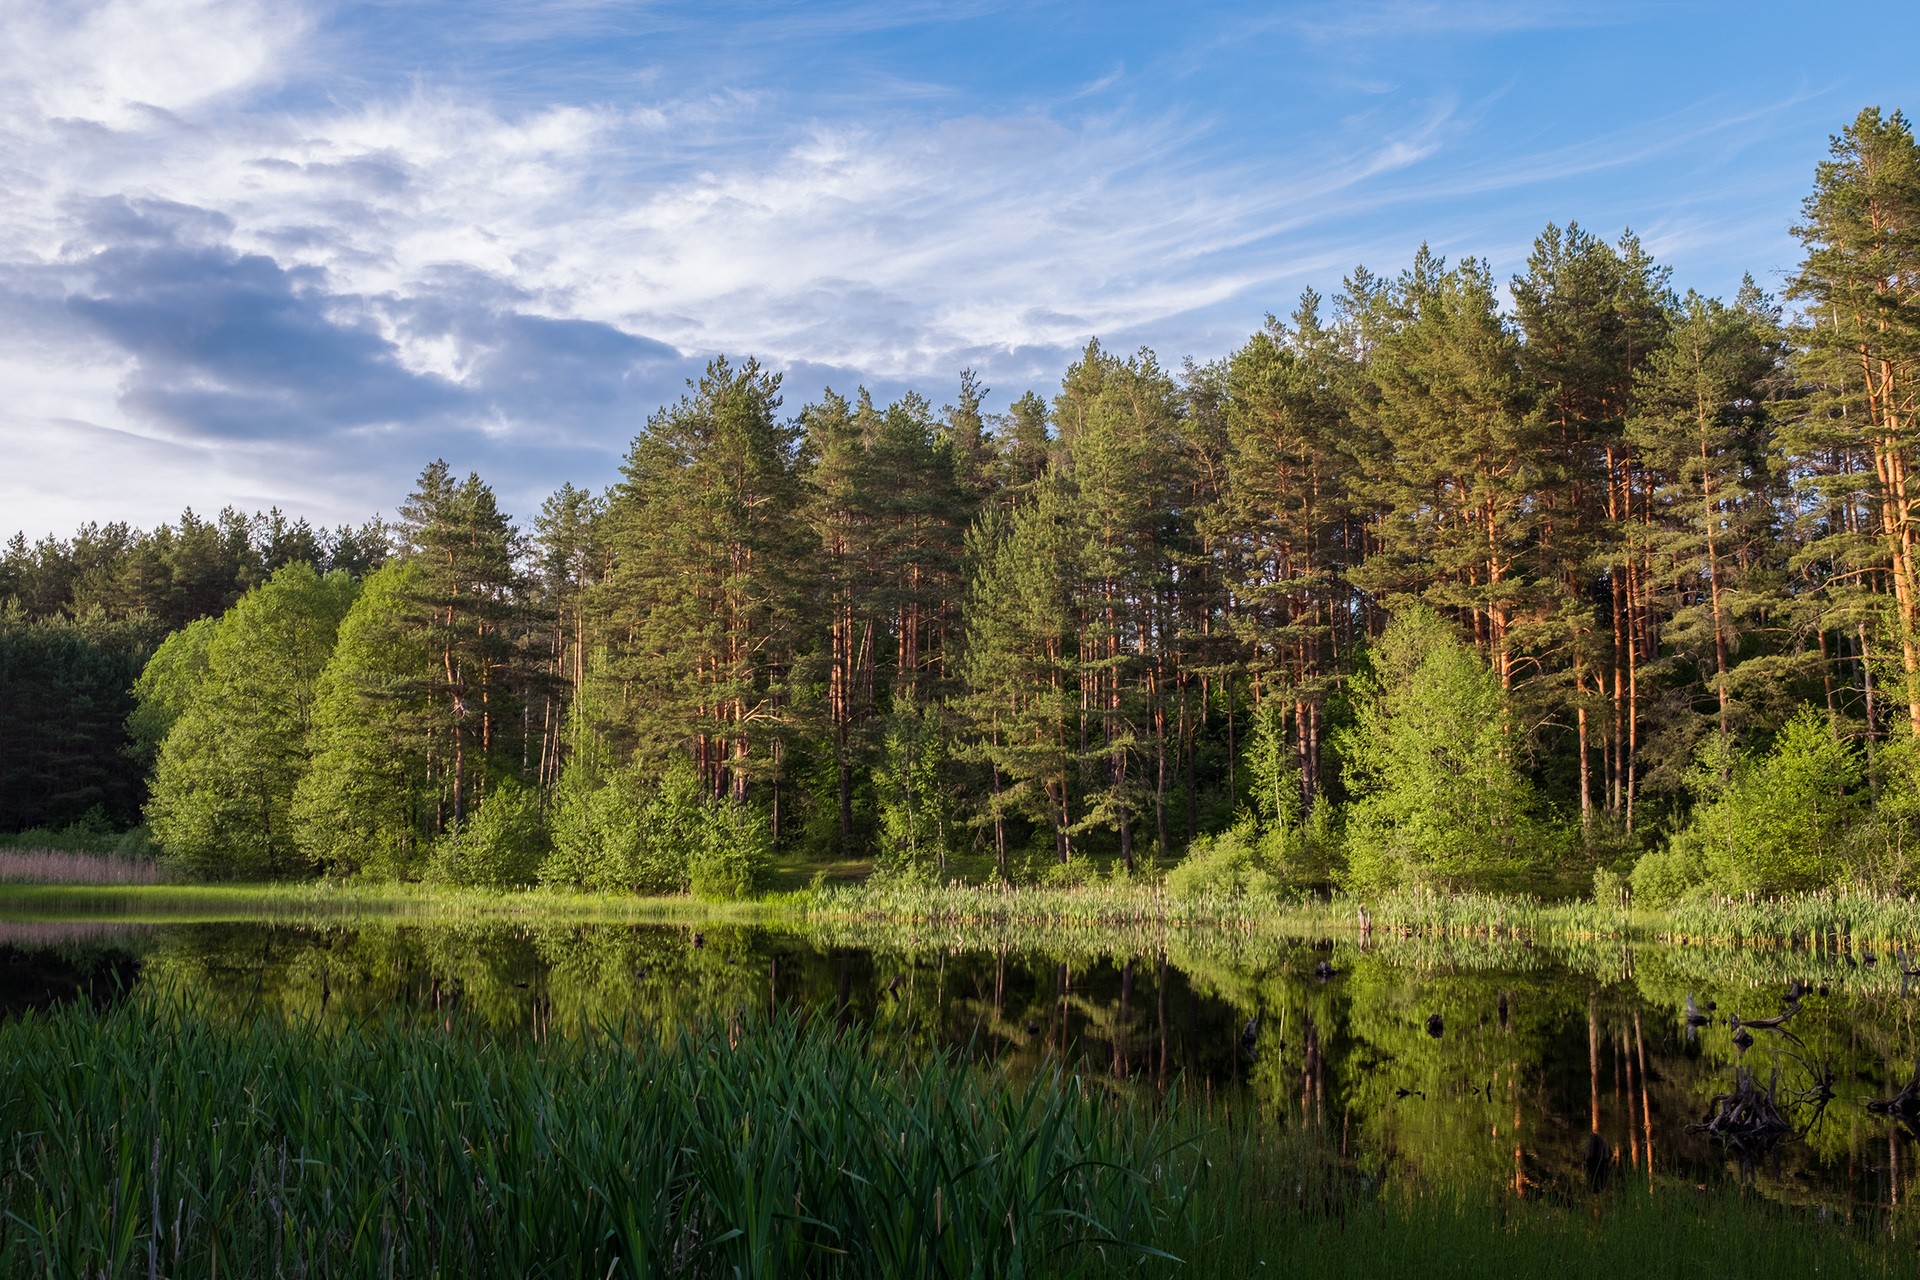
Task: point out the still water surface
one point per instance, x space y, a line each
1431 1066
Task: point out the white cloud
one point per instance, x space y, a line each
212 228
119 62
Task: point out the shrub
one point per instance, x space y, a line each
1884 854
1076 871
1227 865
500 845
1664 876
622 831
734 848
1780 824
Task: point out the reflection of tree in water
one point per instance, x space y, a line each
49 963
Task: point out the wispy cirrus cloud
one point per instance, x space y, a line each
296 250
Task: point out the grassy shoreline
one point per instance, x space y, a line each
1825 922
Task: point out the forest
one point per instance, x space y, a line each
1435 583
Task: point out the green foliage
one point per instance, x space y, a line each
732 852
167 686
502 844
223 785
1665 875
1440 802
1230 864
1017 667
777 1150
598 840
1779 824
366 804
622 830
1885 853
64 702
915 797
705 533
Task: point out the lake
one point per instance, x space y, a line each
1428 1065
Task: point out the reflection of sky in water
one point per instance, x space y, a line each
1537 1049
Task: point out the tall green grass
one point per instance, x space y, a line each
148 1141
152 1140
1818 919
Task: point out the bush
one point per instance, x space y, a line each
734 848
1664 876
501 844
1076 871
1883 856
623 832
1227 865
1781 824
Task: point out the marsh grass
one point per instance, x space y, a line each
152 1140
149 1140
1820 921
322 901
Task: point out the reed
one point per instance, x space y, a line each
1829 920
154 1140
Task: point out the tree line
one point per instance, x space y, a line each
1647 557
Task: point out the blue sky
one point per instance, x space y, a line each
285 253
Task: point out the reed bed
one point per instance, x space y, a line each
67 866
326 901
152 1140
1821 921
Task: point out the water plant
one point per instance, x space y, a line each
152 1139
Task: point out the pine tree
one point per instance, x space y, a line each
702 605
466 601
1019 666
1459 448
1440 802
1860 282
1283 521
1591 316
1119 426
1702 430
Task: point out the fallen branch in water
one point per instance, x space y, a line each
1747 1119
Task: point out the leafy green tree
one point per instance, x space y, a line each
1439 801
167 686
369 802
227 769
1777 824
